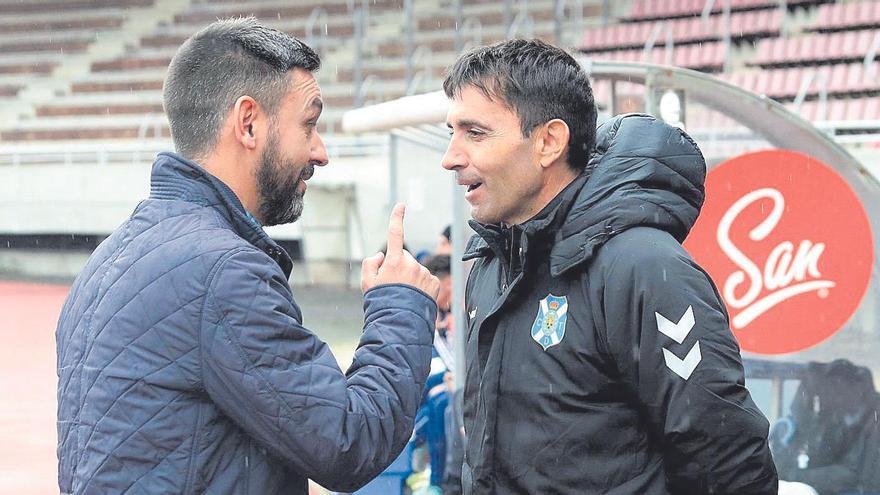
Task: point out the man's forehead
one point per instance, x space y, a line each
472 104
305 89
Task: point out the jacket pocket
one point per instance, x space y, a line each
191 476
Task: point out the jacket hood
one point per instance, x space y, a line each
644 172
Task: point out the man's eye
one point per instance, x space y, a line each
474 133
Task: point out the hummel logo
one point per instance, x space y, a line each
678 332
473 313
683 367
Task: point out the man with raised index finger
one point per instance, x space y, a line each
599 357
183 361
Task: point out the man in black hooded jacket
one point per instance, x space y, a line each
599 355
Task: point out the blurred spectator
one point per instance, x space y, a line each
444 242
831 440
440 266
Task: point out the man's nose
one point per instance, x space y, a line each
452 159
319 152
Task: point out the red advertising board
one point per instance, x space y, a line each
789 246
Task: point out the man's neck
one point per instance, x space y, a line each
548 193
237 176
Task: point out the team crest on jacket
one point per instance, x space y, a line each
549 327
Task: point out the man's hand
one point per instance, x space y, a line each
397 266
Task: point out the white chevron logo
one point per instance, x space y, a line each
683 367
676 331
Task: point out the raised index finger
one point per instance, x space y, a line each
395 230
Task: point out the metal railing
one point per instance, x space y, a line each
573 16
316 37
142 152
151 122
359 19
870 57
725 22
473 26
365 86
821 80
648 49
523 24
422 78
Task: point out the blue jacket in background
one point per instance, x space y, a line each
184 366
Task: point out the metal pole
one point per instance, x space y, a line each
870 68
822 110
508 15
649 43
409 41
727 38
783 27
558 20
612 106
357 68
650 97
806 81
707 11
459 26
669 55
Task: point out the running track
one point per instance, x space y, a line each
28 313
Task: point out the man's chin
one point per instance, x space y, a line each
290 216
482 216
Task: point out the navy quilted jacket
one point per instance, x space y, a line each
184 367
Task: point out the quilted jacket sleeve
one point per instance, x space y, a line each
668 332
282 385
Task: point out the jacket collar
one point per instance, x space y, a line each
176 178
491 237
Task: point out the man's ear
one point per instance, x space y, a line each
244 114
552 141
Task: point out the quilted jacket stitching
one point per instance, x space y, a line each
169 315
153 281
152 471
120 248
246 361
119 397
136 431
88 330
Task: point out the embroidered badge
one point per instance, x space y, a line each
549 327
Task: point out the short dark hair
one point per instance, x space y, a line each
222 62
537 81
447 233
439 265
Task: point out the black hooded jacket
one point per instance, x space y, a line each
633 382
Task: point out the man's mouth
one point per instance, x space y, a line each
474 186
307 173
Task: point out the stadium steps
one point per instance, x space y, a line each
139 18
